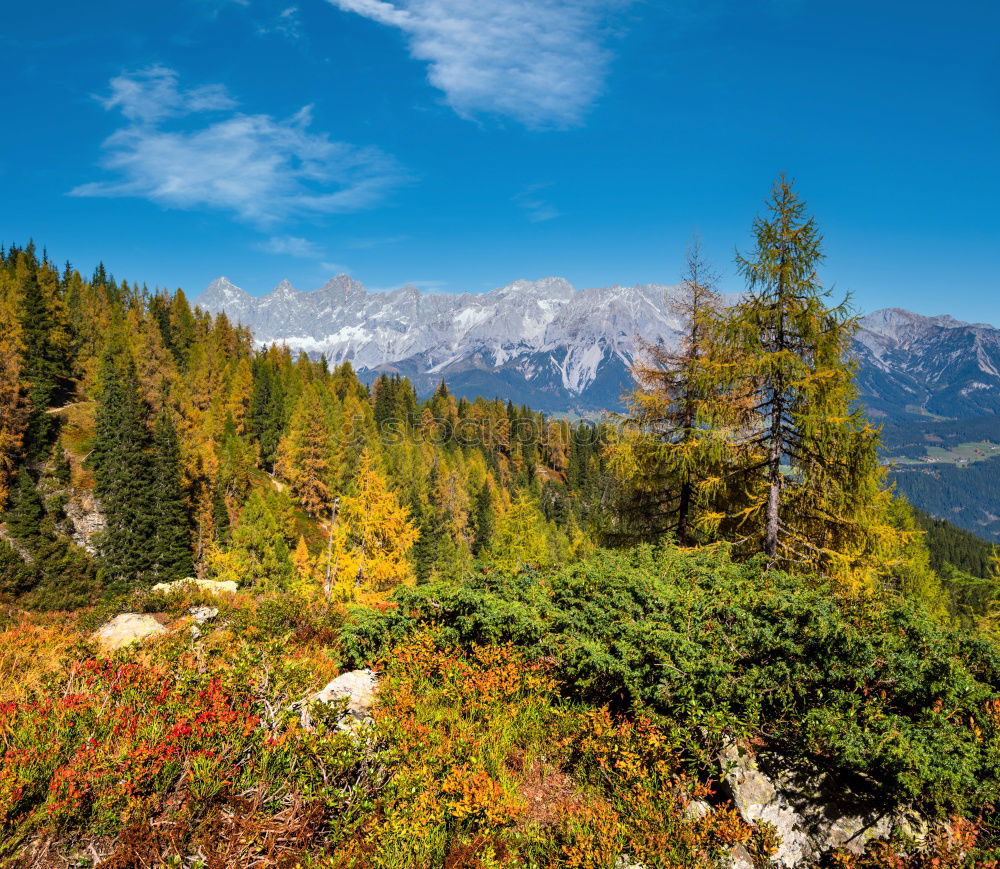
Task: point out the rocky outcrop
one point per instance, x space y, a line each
210 585
202 614
126 629
86 519
357 688
626 862
23 553
812 814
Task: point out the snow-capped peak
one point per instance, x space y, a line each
543 343
506 326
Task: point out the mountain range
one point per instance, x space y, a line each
554 348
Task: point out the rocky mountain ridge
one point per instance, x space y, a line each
555 348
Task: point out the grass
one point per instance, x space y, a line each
961 454
31 652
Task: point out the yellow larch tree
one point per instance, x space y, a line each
306 579
372 536
13 401
518 536
305 454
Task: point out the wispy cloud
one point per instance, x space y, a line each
286 22
260 168
539 61
291 245
153 94
536 208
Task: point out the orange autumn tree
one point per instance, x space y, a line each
372 537
13 398
306 580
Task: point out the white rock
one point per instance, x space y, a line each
358 687
209 585
202 614
125 629
811 815
739 858
626 862
696 810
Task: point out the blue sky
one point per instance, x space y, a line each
461 144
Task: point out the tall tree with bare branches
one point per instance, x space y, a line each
667 454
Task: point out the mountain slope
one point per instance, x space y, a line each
555 348
537 342
909 364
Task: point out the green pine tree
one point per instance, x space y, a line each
43 365
124 475
172 541
483 519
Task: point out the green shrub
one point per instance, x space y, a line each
873 688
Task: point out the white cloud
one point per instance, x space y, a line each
539 61
291 245
152 94
536 208
286 22
260 168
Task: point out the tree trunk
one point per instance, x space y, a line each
683 509
774 481
328 582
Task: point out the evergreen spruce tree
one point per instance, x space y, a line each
425 547
483 519
181 328
14 401
43 365
25 511
220 516
267 409
172 542
124 475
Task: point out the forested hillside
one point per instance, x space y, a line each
705 633
205 454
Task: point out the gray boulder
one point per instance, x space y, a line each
86 519
202 614
357 688
812 814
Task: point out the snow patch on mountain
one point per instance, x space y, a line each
519 325
547 344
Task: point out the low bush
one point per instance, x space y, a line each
867 687
177 753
